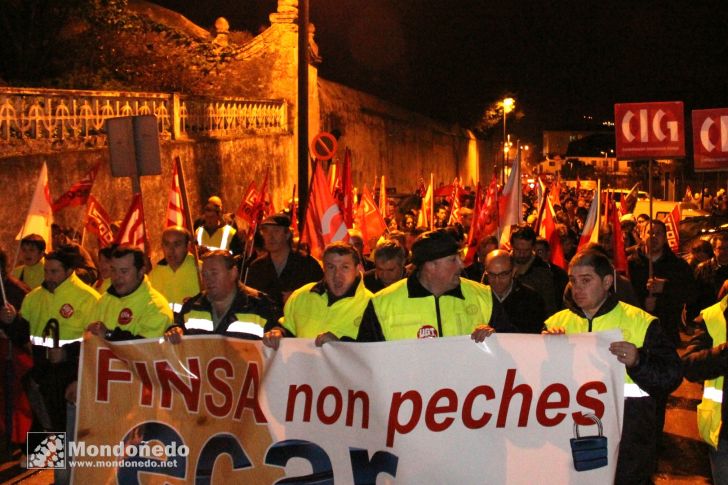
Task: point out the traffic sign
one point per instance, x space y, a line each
650 130
710 139
323 146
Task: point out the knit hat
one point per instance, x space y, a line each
280 219
433 245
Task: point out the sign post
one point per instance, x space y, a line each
650 130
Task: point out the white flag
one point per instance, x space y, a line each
40 214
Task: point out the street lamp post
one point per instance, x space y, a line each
508 105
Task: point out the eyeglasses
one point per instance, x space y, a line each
503 275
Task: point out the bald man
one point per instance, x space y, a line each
523 305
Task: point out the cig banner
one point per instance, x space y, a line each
420 411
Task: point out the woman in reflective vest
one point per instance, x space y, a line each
706 361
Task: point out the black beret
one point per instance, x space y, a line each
433 245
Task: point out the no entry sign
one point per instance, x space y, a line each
323 146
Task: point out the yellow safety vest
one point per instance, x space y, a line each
72 304
308 313
220 239
402 317
709 409
32 276
144 312
633 322
178 285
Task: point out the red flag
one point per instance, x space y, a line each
485 221
133 229
98 221
260 209
455 203
672 221
368 218
347 190
555 193
626 205
176 215
618 253
247 204
548 231
324 222
79 192
590 233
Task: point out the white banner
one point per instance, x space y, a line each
448 410
418 411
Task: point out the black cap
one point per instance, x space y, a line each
280 219
433 245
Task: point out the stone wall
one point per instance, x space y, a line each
223 167
402 145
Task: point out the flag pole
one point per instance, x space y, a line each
2 287
432 202
188 217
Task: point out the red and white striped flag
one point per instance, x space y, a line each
79 192
547 230
176 215
590 233
324 221
98 221
510 205
133 229
455 203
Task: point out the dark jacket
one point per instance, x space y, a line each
299 270
679 290
538 276
709 277
524 308
247 302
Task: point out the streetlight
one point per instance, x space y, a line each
508 105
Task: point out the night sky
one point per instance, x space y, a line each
561 61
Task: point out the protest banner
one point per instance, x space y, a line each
446 410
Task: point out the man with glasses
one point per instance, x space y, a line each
434 301
523 306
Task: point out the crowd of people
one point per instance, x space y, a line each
412 284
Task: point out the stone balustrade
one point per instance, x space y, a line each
41 120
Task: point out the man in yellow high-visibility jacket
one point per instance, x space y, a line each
176 276
653 366
131 308
53 317
707 360
435 301
330 309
